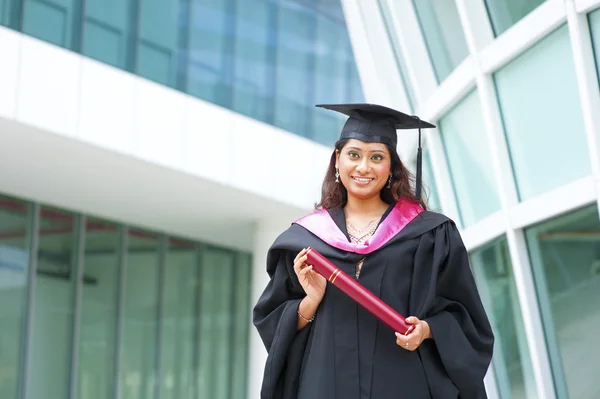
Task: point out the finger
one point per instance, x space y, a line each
299 264
299 255
305 270
412 320
403 342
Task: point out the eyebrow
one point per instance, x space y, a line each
360 149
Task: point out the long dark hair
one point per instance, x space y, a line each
335 195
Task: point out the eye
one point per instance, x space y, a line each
353 154
377 157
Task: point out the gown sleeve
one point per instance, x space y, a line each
458 322
275 317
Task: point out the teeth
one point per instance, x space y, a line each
362 179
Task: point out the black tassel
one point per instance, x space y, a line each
419 166
418 187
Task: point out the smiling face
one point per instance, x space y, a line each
364 168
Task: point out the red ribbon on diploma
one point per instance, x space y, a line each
356 291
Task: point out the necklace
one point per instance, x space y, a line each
359 236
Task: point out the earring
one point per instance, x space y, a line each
337 175
390 182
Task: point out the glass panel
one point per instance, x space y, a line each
469 157
216 320
565 255
141 316
211 51
526 105
506 13
512 363
6 7
50 20
443 34
294 68
97 349
333 55
594 21
429 187
105 31
241 324
52 335
180 321
158 47
253 61
15 238
386 14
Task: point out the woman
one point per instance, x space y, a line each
369 222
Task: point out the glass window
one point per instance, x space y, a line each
496 283
241 323
106 31
468 154
15 238
52 21
97 333
506 13
594 21
53 324
333 55
216 333
443 34
6 9
141 316
253 61
161 37
210 67
386 14
428 181
180 321
546 151
565 256
294 71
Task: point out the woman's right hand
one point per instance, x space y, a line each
312 282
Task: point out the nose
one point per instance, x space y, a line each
363 166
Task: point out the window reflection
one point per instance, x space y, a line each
506 13
15 237
443 34
469 160
536 141
55 285
98 332
565 255
512 364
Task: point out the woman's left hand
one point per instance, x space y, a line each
416 337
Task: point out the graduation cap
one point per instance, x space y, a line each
374 123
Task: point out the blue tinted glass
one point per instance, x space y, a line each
270 60
211 51
51 21
106 31
159 40
5 11
253 61
443 33
295 46
332 73
506 13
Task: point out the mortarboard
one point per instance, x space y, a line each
374 123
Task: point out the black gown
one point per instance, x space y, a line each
346 353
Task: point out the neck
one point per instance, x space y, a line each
374 206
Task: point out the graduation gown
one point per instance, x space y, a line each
415 262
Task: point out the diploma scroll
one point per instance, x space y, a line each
357 292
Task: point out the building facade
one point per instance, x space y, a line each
513 88
152 150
